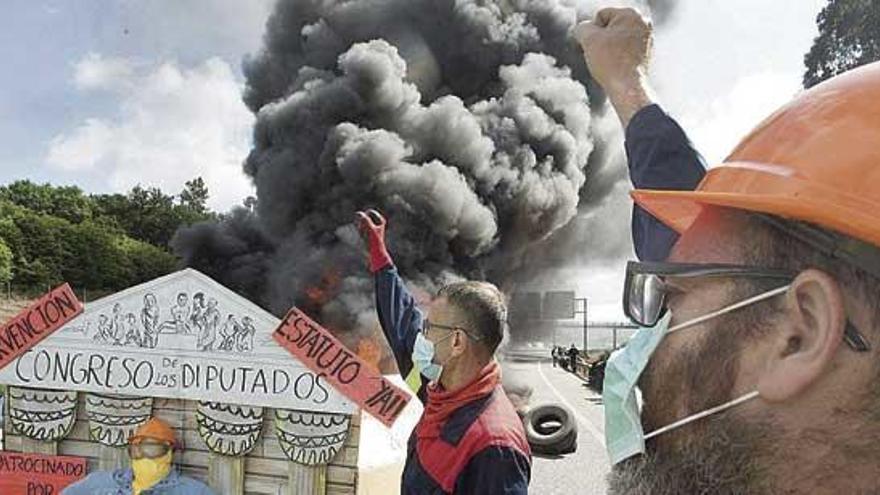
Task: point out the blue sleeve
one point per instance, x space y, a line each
660 156
191 486
93 483
496 470
399 316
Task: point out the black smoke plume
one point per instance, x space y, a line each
467 122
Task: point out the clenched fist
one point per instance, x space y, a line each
371 225
617 46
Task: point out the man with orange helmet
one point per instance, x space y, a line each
757 358
151 449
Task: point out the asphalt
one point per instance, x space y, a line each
584 471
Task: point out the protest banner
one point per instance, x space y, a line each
180 336
34 474
36 322
319 350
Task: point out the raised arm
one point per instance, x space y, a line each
617 45
399 316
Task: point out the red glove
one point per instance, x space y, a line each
372 227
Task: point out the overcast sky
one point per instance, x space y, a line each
720 66
106 94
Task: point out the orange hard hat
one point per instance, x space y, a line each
815 160
155 429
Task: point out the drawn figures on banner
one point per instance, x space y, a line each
237 336
113 418
179 322
150 321
207 324
202 318
311 438
229 429
45 415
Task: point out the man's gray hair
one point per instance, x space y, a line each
484 307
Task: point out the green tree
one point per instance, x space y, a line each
50 234
145 214
849 36
5 262
93 257
67 202
147 261
150 215
195 196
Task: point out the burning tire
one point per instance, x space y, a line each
551 429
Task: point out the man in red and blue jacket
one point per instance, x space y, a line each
469 439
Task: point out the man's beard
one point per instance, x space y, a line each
722 459
720 454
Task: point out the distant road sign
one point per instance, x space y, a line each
558 305
525 306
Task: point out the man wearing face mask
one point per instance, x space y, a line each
469 439
151 450
757 358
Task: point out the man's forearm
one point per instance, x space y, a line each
629 96
399 316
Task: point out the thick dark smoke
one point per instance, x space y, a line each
467 122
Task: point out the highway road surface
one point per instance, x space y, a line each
584 471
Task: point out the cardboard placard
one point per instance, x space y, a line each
318 349
35 474
37 322
180 336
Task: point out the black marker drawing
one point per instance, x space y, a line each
45 415
150 321
311 438
179 322
209 320
229 429
113 418
144 326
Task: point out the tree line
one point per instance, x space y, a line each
104 242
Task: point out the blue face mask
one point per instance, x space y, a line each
624 436
423 357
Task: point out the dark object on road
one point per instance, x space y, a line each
551 429
596 372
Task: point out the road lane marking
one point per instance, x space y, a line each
581 419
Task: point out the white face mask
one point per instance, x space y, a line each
423 356
624 436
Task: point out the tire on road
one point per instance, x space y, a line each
544 437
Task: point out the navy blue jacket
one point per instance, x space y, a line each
480 448
660 156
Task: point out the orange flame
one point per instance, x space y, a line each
370 351
326 288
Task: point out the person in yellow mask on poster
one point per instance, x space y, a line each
151 450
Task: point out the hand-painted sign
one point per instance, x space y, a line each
180 336
37 322
44 415
33 474
318 349
311 438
